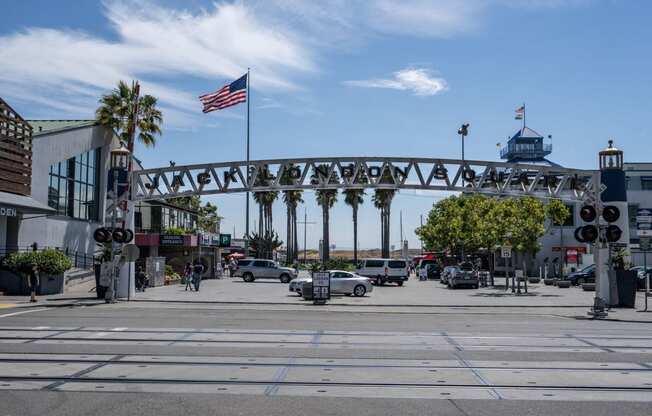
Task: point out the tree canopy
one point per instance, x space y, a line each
468 223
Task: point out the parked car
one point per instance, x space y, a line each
463 275
586 275
252 269
342 283
433 271
295 285
381 271
640 273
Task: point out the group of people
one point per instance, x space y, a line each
192 275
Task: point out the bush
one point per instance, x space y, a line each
49 261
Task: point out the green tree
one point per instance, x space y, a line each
326 198
382 200
291 200
354 197
120 109
265 201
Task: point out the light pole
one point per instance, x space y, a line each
119 161
463 131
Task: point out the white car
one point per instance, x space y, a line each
295 285
342 283
381 271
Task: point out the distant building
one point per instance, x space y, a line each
528 146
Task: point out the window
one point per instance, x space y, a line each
244 263
632 210
260 263
646 183
74 186
374 263
397 264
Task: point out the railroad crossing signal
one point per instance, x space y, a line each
590 233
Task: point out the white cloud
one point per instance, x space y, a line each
419 81
153 43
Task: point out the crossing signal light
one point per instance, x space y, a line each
610 213
613 233
588 213
586 234
103 235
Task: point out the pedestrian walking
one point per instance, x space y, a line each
33 282
141 279
233 265
197 271
187 276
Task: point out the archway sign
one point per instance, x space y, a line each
496 178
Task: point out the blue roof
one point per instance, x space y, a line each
526 133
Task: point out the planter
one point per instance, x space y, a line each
588 287
548 282
169 282
534 280
17 285
563 284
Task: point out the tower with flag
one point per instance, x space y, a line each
526 145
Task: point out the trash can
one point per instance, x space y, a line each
626 281
306 290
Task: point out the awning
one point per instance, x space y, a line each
23 204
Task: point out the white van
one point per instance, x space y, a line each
384 270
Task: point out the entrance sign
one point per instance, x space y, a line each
321 287
497 178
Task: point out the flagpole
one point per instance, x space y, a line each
247 174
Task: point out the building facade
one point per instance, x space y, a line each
69 173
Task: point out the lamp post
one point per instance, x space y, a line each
119 161
463 131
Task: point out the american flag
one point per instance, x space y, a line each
521 109
227 96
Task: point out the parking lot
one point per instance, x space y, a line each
413 293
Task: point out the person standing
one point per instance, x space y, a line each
197 270
141 279
187 275
33 282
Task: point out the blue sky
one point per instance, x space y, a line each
331 78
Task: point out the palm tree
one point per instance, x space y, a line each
354 198
265 201
119 109
291 200
326 198
383 201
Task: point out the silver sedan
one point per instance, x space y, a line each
342 283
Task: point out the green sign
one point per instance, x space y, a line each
225 240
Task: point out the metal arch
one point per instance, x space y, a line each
488 177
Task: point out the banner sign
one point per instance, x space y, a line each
171 240
8 212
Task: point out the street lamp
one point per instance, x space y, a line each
119 161
463 131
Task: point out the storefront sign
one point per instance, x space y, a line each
8 212
171 240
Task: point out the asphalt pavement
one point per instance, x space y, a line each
159 358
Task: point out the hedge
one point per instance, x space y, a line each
49 261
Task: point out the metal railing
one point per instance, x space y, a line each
79 259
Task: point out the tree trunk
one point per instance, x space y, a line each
387 228
260 220
325 244
288 232
355 233
294 233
